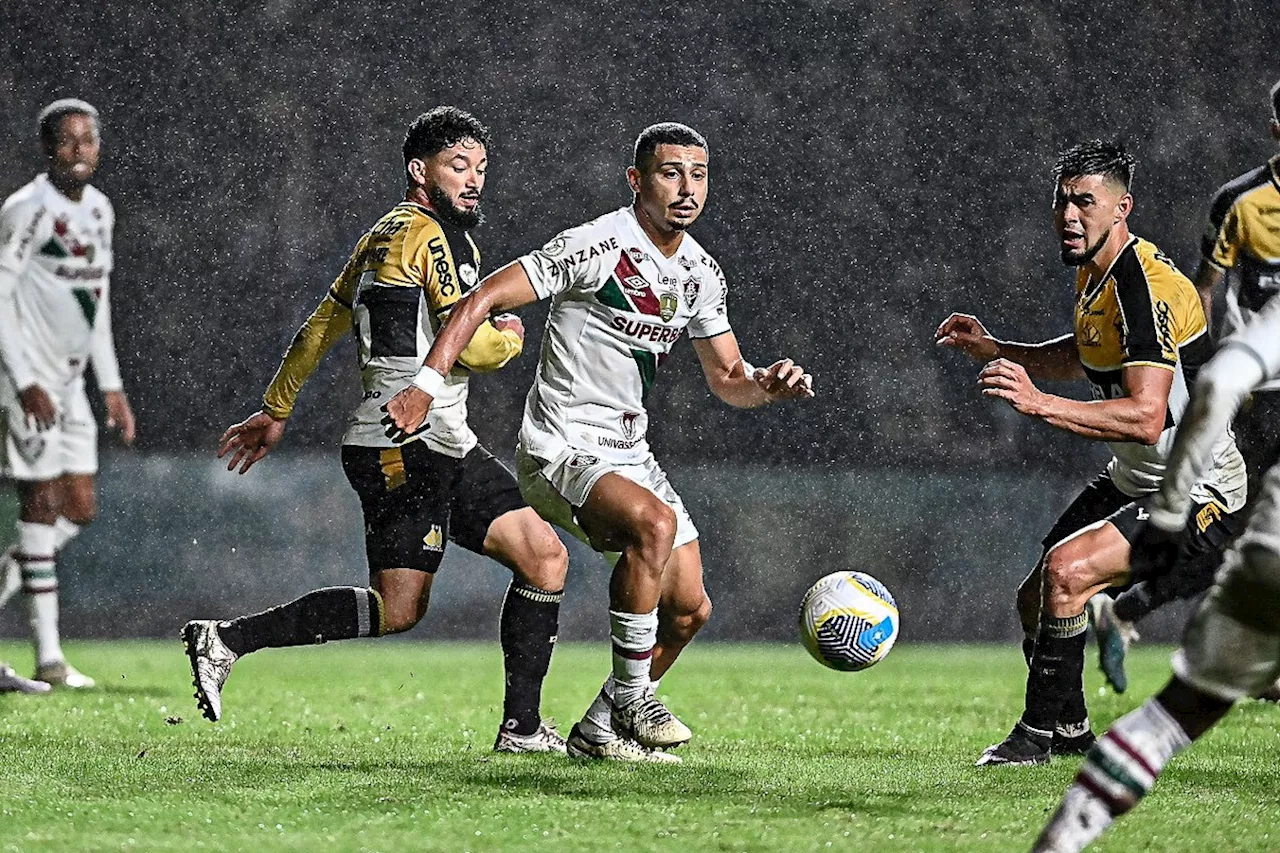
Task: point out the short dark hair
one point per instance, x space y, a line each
665 133
1275 101
51 115
439 128
1095 157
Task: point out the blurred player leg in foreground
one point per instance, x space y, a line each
1231 649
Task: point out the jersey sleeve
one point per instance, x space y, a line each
1146 313
712 316
431 261
102 348
326 325
24 225
1223 235
579 258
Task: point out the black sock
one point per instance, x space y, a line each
528 631
1056 671
332 613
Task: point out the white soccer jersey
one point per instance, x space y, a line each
55 265
618 306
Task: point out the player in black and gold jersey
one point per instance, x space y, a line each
1241 245
1140 334
403 279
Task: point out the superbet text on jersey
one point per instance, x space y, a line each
618 307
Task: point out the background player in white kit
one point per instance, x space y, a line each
624 288
1231 649
55 320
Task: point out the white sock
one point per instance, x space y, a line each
1116 775
67 530
40 582
634 635
597 723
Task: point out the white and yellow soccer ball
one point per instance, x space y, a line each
848 621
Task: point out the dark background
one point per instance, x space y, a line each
874 167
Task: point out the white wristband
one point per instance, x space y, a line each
429 379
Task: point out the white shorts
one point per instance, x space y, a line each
69 446
557 487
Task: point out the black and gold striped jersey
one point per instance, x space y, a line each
1143 312
396 290
1243 239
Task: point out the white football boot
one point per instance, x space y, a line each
211 663
11 682
615 749
545 739
59 673
648 722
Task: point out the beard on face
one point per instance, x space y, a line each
1082 257
451 213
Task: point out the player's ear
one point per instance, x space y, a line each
1123 208
417 170
633 179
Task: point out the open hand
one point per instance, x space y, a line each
250 440
406 413
1008 381
784 380
966 333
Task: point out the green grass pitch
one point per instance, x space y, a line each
386 747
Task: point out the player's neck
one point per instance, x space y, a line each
1101 262
73 190
417 195
666 241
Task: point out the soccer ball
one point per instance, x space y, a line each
848 621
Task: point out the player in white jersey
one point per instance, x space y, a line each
1231 649
624 288
1241 247
55 321
402 280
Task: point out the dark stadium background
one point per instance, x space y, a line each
875 166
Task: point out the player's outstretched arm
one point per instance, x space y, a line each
1054 359
502 290
739 384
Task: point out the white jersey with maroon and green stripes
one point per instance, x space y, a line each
55 255
618 306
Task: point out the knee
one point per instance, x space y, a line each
680 626
399 614
1067 580
654 527
545 562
